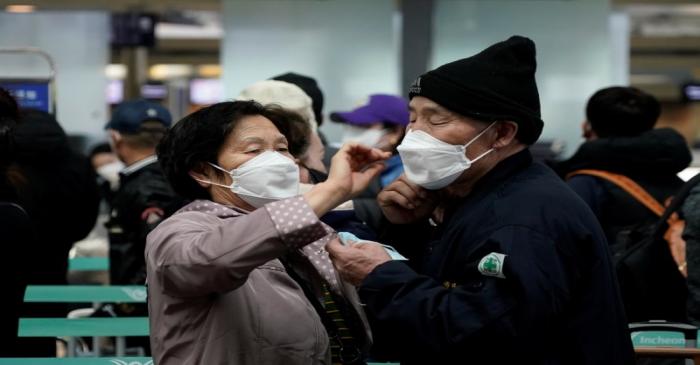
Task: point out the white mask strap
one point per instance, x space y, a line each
482 155
212 183
479 135
219 168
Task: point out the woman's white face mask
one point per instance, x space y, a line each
267 177
432 163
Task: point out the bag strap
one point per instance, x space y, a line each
679 197
627 185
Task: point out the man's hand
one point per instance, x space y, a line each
404 202
355 262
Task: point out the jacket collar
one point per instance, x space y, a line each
138 165
493 179
212 208
504 170
657 152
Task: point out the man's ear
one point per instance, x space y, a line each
588 133
115 139
505 133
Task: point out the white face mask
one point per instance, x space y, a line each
432 163
267 177
110 172
367 136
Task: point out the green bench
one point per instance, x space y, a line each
88 264
85 294
85 327
72 327
665 339
658 339
94 294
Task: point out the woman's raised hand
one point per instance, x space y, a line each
354 166
351 171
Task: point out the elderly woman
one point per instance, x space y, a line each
291 97
240 275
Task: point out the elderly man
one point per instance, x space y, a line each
507 264
145 197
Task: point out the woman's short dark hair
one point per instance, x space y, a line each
198 138
621 111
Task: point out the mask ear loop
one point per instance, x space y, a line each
219 168
482 155
213 183
477 137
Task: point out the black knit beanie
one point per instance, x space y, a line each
496 84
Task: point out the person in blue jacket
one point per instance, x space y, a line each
506 263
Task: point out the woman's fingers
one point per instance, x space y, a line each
362 178
359 155
373 170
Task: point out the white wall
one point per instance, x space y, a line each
350 47
620 47
574 52
79 43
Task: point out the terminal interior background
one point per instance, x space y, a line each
188 54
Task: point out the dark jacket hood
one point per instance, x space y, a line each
656 152
39 137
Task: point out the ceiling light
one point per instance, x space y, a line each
20 8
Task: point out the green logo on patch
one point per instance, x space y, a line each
492 265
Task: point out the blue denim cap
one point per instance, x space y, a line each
129 115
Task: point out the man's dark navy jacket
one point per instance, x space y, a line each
558 302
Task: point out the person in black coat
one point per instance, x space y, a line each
58 191
144 197
620 139
56 188
15 232
511 266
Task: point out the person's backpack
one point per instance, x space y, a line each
650 260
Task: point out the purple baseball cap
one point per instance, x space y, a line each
381 108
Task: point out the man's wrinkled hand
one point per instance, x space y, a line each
404 202
356 261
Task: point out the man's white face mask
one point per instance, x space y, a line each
267 177
432 163
369 137
110 172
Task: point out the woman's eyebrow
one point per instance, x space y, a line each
252 140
